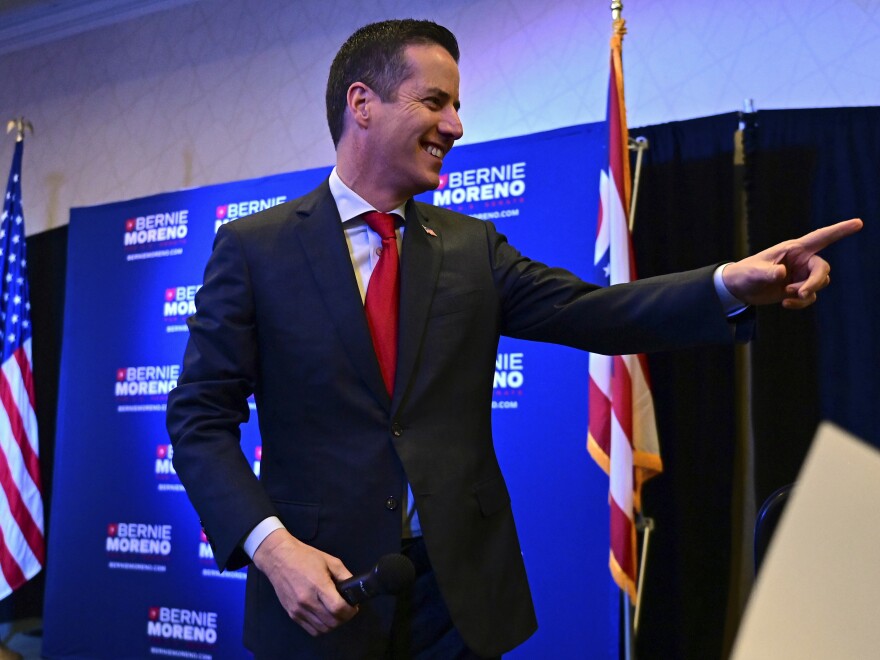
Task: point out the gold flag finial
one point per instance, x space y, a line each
616 8
20 124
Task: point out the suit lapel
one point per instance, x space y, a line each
323 242
420 266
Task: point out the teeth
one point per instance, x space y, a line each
434 151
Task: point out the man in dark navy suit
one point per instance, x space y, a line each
363 456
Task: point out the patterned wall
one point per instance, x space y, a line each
217 91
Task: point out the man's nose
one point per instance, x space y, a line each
451 124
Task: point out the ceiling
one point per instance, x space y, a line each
26 23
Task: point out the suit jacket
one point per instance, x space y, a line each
280 315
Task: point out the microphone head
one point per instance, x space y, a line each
395 573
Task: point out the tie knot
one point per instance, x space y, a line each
381 223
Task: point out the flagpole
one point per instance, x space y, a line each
646 526
639 145
630 610
743 500
628 638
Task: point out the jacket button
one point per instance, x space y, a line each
391 503
396 430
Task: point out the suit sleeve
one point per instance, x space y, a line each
209 404
547 304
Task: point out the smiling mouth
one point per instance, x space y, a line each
434 151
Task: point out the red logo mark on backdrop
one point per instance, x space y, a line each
129 224
161 451
221 212
169 294
204 536
120 374
154 614
258 453
112 528
444 179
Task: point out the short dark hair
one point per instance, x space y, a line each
374 56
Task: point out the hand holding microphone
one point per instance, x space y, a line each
391 575
303 576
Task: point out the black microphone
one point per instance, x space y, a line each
391 575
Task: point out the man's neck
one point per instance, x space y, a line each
371 191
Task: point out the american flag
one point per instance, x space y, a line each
22 553
622 431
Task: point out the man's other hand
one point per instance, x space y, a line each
790 272
305 579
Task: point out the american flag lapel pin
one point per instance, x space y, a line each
429 231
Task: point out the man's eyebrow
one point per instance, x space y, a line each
443 95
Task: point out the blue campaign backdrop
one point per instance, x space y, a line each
130 574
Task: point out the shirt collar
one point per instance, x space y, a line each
350 204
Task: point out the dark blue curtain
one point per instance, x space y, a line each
685 219
810 168
804 169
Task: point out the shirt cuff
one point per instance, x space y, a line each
259 533
731 304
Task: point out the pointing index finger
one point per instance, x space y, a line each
821 238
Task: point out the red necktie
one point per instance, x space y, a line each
383 297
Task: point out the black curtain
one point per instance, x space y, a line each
804 169
811 168
685 219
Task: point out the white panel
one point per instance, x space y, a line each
816 595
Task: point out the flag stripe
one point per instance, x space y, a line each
622 555
600 419
17 426
602 239
12 573
18 386
22 515
17 544
19 479
27 376
621 474
621 396
600 403
16 547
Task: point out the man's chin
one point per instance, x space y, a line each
420 181
426 184
433 180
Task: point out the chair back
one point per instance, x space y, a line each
768 518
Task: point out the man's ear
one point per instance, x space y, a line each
360 99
